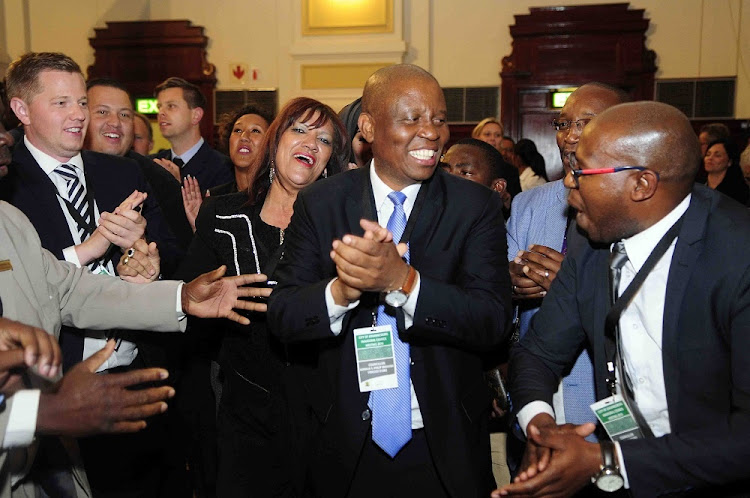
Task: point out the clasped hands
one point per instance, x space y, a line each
370 263
558 461
532 271
122 228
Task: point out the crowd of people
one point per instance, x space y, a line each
336 307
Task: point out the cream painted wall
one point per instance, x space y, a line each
461 41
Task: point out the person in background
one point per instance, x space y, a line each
143 135
361 152
489 130
712 132
506 149
530 164
242 134
479 162
257 449
723 172
181 106
745 161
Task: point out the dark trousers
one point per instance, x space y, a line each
411 473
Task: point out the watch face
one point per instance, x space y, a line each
396 298
609 481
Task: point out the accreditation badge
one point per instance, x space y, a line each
617 419
376 360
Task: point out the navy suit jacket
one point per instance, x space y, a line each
208 165
705 344
458 247
112 179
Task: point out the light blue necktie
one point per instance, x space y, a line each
391 408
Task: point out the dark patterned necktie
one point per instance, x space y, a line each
178 161
76 195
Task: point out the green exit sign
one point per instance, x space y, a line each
559 97
146 106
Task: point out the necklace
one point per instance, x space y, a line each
281 236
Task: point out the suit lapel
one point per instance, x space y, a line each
688 248
36 195
429 215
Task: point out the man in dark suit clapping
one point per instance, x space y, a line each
440 297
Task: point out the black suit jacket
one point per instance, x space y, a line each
112 179
208 165
168 193
458 247
705 341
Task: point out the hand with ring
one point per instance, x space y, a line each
140 263
540 264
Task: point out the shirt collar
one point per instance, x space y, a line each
640 245
188 154
380 191
47 162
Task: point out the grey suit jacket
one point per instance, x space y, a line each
41 291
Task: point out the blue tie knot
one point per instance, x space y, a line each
397 198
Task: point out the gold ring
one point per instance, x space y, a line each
125 261
546 274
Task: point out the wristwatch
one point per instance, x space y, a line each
609 478
398 297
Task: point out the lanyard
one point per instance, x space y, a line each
611 345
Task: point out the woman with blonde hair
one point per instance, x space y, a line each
489 130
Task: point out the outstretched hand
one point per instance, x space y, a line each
23 346
211 296
192 199
85 403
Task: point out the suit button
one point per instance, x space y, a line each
366 415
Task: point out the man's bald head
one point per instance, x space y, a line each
651 134
382 82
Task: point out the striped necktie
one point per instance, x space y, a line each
76 195
391 408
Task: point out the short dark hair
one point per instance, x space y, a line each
22 78
191 93
110 83
500 167
227 121
715 131
147 123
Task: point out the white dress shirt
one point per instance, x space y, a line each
336 313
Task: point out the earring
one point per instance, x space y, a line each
325 172
271 173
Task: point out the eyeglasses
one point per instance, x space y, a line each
565 124
578 173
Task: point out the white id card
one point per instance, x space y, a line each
616 418
376 361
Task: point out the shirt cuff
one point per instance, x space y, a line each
335 312
621 465
410 306
178 305
531 410
71 256
22 419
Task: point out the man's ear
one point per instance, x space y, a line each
197 115
367 126
21 110
645 186
499 185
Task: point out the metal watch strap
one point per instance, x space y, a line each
608 454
